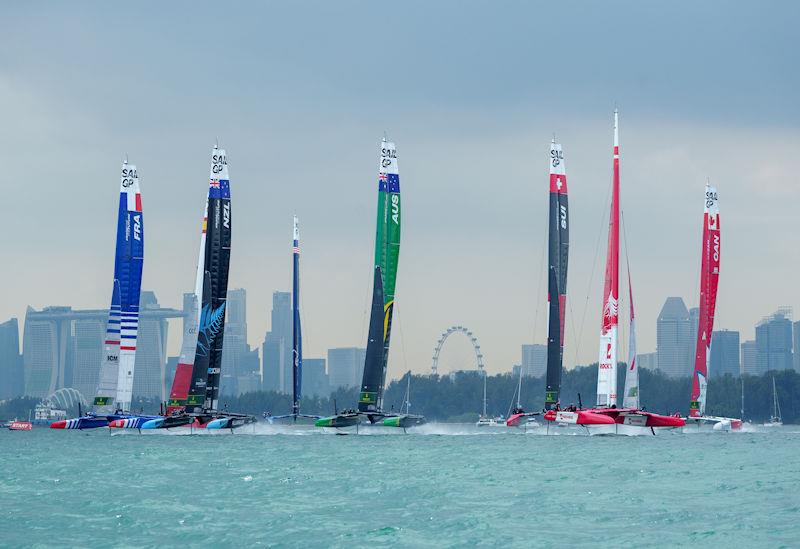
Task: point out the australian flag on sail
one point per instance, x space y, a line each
389 182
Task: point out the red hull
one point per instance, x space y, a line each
610 416
515 420
581 417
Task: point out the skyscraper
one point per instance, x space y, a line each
345 366
277 347
648 361
694 326
240 364
534 360
12 381
151 351
84 354
62 347
673 337
315 380
796 346
750 358
724 354
774 342
44 349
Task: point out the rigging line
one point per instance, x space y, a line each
539 285
399 320
591 276
628 265
511 404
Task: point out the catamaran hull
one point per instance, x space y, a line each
403 421
521 420
712 423
230 422
135 422
338 421
85 422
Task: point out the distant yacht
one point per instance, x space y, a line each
484 420
775 420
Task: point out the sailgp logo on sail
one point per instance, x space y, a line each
211 323
557 157
395 209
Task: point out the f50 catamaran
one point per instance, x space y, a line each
297 337
387 254
606 417
114 391
194 397
709 280
557 258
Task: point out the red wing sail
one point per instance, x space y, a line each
709 279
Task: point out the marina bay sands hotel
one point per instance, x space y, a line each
63 348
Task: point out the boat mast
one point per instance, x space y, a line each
607 362
484 394
297 343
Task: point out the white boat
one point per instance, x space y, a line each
775 420
484 420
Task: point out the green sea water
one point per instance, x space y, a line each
443 486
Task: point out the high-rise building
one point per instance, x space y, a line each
796 346
749 357
151 351
694 325
277 348
673 337
169 372
44 349
724 354
62 347
774 342
240 365
345 367
12 381
315 380
648 361
84 354
534 360
271 360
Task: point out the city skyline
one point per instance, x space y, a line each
62 346
472 155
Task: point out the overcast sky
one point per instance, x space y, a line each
472 92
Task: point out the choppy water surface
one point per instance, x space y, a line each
427 489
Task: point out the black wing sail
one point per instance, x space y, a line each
374 363
558 253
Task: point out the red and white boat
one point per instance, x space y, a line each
709 281
606 418
20 425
